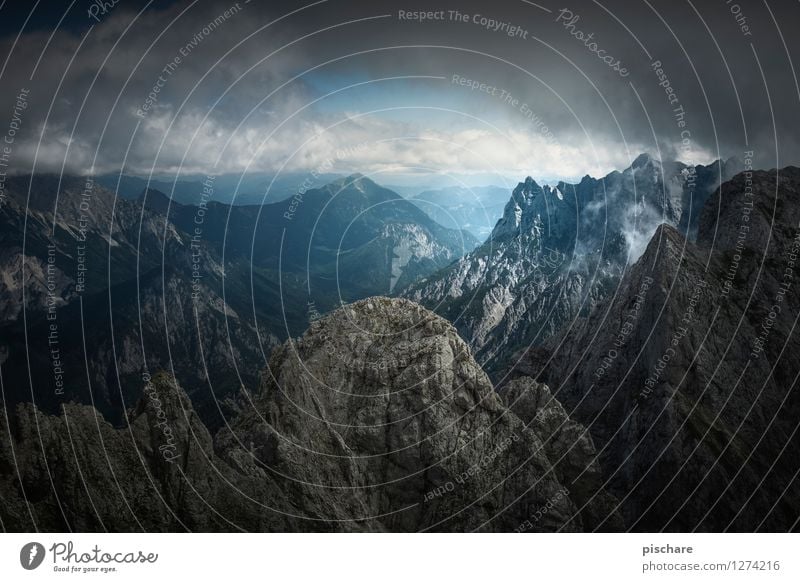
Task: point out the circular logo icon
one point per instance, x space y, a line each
31 555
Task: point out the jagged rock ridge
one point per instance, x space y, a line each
558 251
377 419
687 378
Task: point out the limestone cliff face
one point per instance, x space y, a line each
686 378
380 411
569 447
377 419
559 251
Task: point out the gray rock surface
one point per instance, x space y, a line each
687 377
569 448
559 251
75 472
380 411
377 419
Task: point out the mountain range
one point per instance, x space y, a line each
686 377
235 189
616 355
558 251
203 291
475 209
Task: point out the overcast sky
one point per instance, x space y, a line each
344 86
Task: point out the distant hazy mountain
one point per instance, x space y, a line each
559 250
348 240
250 189
476 210
107 293
204 291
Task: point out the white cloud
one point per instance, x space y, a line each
221 125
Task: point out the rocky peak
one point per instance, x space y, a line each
666 241
527 187
518 216
644 160
381 410
526 192
355 183
157 201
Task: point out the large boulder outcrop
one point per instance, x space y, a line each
377 419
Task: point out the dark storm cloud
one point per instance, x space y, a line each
723 66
